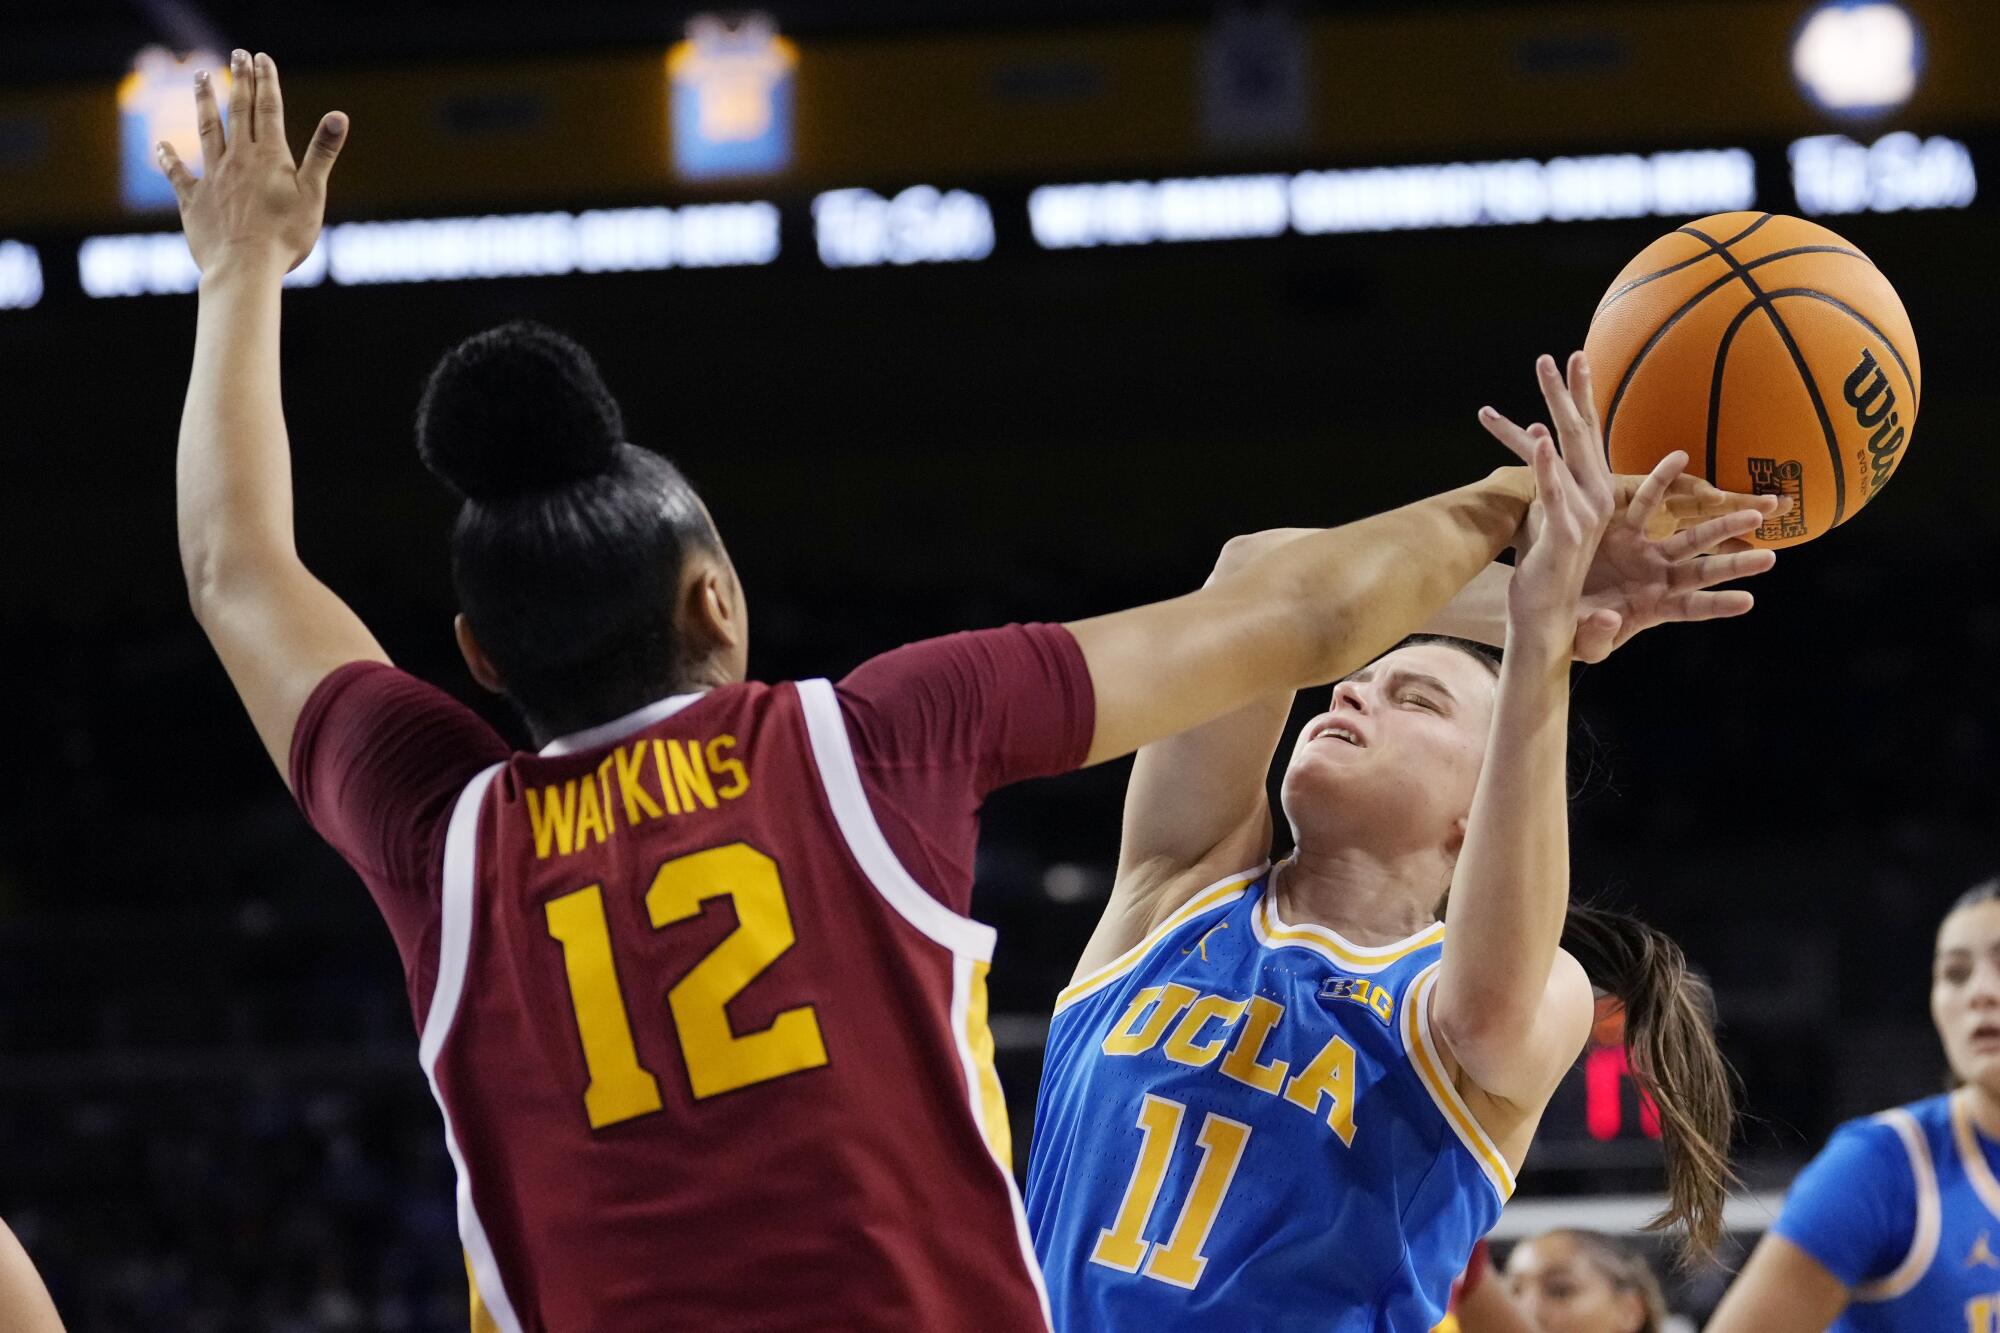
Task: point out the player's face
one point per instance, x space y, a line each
1396 758
1560 1290
1965 993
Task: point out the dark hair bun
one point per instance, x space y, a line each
515 411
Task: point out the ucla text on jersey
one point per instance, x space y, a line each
1245 1123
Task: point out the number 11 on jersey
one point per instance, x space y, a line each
1179 1259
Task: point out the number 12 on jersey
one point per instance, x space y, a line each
1178 1259
718 1058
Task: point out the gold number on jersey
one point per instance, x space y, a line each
718 1058
620 1087
1179 1260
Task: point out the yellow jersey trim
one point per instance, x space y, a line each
992 1101
1273 931
1429 1063
1215 895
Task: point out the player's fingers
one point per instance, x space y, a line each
1711 570
1562 409
1552 480
242 87
175 170
1597 635
208 122
322 151
1711 605
1652 491
270 112
1706 536
1500 428
1582 392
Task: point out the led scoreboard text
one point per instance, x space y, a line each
1830 175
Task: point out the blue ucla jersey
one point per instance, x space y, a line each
1928 1258
1244 1124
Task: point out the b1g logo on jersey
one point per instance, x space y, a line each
1867 391
1768 476
1361 991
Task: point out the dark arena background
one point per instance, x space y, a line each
957 314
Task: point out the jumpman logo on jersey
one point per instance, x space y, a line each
1202 943
1982 1254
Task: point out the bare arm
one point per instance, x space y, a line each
249 220
25 1306
1196 807
1309 611
1512 1009
1781 1290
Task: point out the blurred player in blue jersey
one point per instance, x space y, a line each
1894 1226
1294 1098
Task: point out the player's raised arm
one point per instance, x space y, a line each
25 1306
1309 611
1196 808
1511 1007
250 218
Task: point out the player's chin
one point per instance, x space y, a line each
1978 1063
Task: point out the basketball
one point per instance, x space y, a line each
1775 353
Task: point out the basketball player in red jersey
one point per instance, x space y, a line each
697 996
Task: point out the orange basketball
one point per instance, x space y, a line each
1771 350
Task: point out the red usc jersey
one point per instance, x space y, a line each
708 1053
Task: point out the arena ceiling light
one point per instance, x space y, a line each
1858 59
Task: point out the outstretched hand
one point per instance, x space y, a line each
1672 540
1575 499
251 199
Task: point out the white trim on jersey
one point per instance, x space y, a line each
969 941
1924 1241
833 752
637 720
454 952
1430 1066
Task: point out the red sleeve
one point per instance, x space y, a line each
378 759
939 724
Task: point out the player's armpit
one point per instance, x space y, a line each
1781 1290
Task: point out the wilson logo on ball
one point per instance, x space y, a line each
1867 391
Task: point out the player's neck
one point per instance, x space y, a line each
1369 899
1985 1108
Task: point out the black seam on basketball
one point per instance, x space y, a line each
1713 249
1715 384
1916 394
1625 381
1805 377
1632 370
1758 262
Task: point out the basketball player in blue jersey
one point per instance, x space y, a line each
1895 1226
1292 1097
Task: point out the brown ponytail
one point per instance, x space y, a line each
1670 1038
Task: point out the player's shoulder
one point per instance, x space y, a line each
1883 1140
